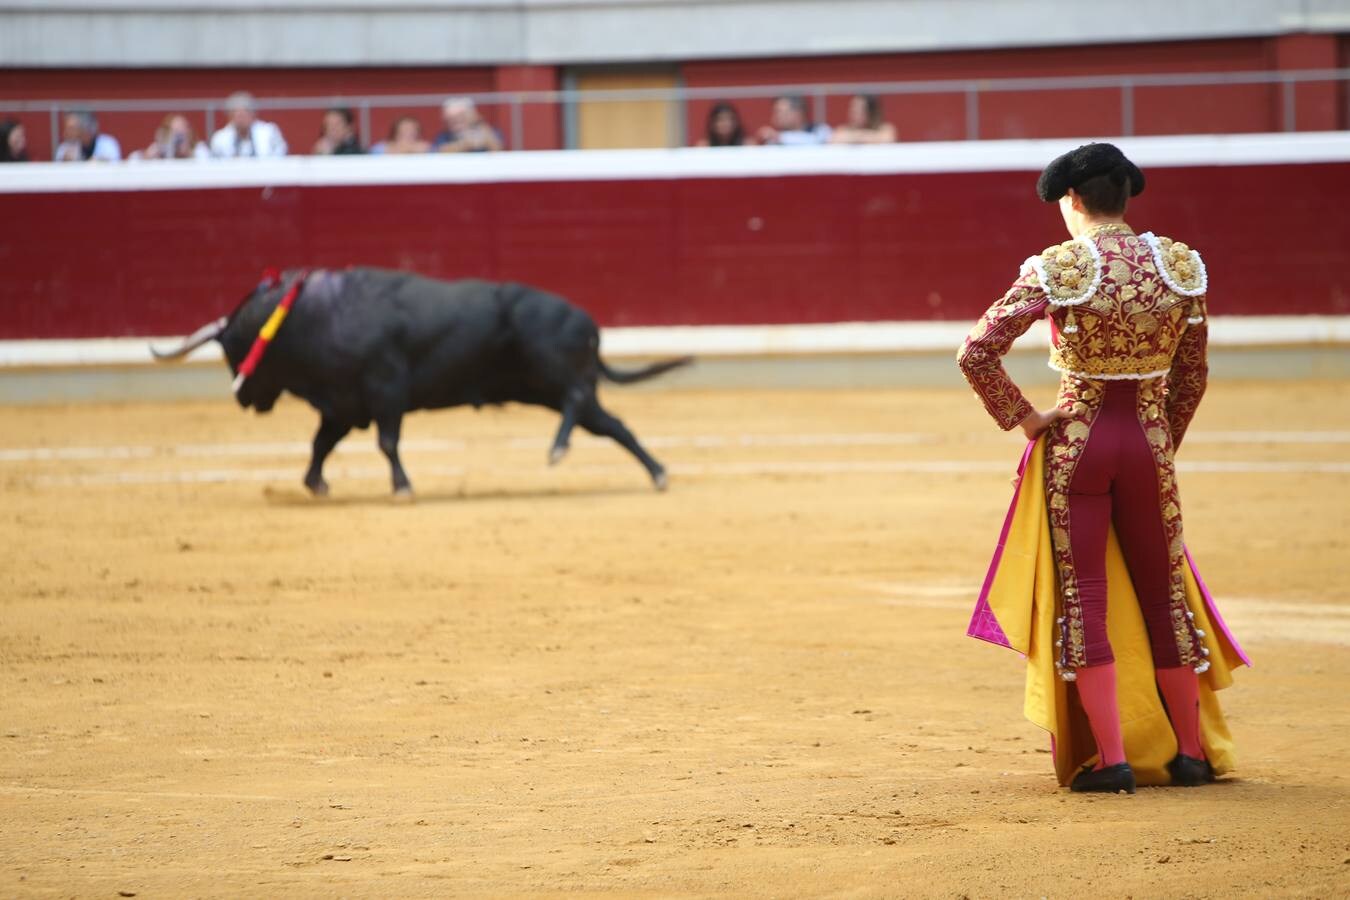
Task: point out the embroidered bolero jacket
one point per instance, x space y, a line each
1120 305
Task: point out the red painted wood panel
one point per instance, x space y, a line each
656 252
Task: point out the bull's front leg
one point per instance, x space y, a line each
330 432
389 428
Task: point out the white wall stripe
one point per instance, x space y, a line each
618 165
727 340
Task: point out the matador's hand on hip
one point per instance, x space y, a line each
1036 422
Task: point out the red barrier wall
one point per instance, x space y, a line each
807 248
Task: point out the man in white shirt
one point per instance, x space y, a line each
791 126
82 140
246 135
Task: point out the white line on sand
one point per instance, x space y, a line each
710 441
300 448
1254 619
679 470
177 795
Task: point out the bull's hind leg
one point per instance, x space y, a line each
597 421
389 428
575 401
330 432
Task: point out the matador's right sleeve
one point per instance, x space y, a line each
981 356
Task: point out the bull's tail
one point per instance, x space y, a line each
659 368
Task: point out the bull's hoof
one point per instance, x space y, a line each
661 480
318 488
403 495
556 455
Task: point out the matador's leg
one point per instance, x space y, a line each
1065 448
1148 522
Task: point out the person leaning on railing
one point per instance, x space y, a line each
83 142
465 131
724 128
174 139
337 134
246 134
405 136
13 141
866 124
791 127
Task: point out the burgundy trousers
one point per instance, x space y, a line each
1116 481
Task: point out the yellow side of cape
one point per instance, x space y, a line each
1024 598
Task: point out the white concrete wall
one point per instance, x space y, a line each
472 32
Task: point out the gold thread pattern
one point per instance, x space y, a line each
981 356
1189 375
1070 271
1082 399
1156 432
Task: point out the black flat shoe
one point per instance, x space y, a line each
1187 771
1111 780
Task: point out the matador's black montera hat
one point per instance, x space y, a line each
1088 161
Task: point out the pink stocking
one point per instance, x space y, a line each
1097 690
1181 689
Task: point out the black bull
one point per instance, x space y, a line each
368 345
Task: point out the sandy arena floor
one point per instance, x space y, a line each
540 681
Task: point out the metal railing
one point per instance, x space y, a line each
818 93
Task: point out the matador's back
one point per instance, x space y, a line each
1120 301
1122 306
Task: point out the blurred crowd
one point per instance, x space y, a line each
247 134
790 125
464 130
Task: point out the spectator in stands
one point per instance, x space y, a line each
83 141
405 136
246 135
724 128
465 131
337 134
865 124
174 139
791 126
13 141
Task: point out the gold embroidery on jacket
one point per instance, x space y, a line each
1070 271
1182 263
1133 324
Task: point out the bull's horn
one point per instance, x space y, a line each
206 333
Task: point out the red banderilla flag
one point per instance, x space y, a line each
269 329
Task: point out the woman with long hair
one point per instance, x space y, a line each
13 141
724 128
866 124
